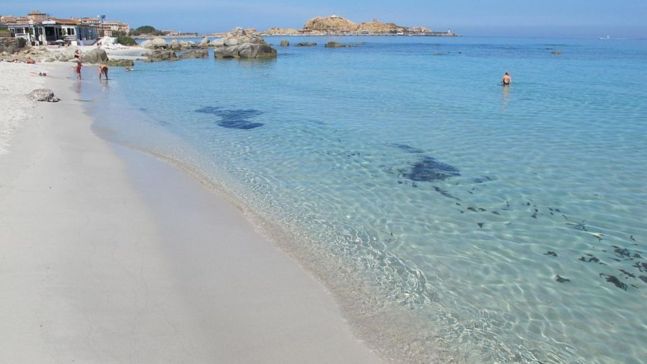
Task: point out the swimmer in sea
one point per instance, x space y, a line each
507 80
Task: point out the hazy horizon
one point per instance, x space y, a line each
550 18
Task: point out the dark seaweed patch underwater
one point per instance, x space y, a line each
233 118
428 169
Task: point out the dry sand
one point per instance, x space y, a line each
111 256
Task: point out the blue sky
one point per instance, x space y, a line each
473 17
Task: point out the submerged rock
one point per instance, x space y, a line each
44 95
242 43
306 44
285 43
121 63
336 45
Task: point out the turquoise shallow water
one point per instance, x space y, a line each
510 223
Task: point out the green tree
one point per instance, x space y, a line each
124 39
146 30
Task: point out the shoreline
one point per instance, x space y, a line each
114 283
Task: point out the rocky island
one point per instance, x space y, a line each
337 25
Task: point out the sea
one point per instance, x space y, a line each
454 219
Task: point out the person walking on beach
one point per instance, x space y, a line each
103 71
78 69
507 80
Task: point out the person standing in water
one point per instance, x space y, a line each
103 71
507 80
78 69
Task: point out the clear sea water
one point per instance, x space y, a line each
480 224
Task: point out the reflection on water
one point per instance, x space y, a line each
505 98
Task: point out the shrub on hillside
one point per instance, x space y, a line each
124 39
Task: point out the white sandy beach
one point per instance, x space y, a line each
111 256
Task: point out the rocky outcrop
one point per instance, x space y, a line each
9 45
175 45
377 27
285 43
204 43
121 63
337 25
194 53
178 46
162 55
243 43
96 55
43 95
331 23
282 31
155 43
306 44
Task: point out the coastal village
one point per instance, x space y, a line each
39 28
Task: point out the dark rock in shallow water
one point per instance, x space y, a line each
614 280
162 55
482 179
306 44
336 45
622 252
445 193
429 169
590 259
642 266
121 63
628 274
643 278
561 279
233 119
551 253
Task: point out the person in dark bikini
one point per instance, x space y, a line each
103 71
507 80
